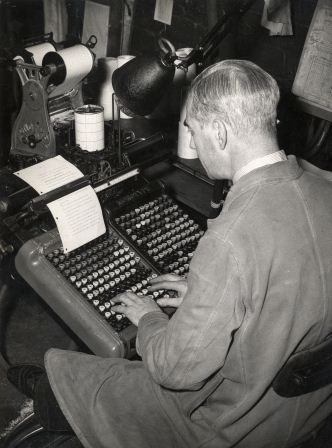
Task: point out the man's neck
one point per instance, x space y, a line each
248 150
269 159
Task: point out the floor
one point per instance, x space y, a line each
31 330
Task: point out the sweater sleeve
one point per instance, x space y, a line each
183 352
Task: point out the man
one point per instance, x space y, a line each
259 290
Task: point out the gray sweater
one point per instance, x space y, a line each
259 290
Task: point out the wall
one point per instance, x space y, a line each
190 22
14 27
278 55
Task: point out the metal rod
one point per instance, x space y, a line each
119 138
218 32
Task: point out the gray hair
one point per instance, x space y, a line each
239 93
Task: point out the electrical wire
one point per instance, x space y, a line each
316 139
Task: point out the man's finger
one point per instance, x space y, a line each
165 277
169 302
125 297
120 309
163 285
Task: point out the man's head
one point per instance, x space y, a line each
230 103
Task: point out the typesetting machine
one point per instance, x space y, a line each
50 93
150 229
148 232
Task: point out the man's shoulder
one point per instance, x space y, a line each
276 203
315 170
231 217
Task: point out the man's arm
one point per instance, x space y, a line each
183 352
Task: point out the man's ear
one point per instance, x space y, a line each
220 133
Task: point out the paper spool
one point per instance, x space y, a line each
108 66
73 64
184 137
38 52
89 127
123 59
183 106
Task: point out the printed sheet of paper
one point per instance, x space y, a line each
313 81
277 17
163 11
78 217
50 174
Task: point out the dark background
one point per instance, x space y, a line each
31 329
191 20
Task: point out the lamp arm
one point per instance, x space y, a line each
213 38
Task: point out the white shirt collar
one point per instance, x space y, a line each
269 159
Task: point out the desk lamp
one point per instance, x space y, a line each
140 84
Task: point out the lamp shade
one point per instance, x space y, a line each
140 84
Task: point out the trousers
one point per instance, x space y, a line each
49 414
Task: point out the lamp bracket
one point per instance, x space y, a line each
213 38
168 55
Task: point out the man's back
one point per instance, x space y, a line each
277 223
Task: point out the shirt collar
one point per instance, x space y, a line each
277 156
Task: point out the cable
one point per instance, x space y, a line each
318 138
4 307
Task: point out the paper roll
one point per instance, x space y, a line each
123 59
40 50
183 112
89 127
184 137
183 107
78 61
107 67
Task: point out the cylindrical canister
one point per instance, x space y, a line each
89 127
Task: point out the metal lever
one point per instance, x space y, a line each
37 205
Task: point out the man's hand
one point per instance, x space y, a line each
173 282
133 306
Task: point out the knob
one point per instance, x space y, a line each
32 141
